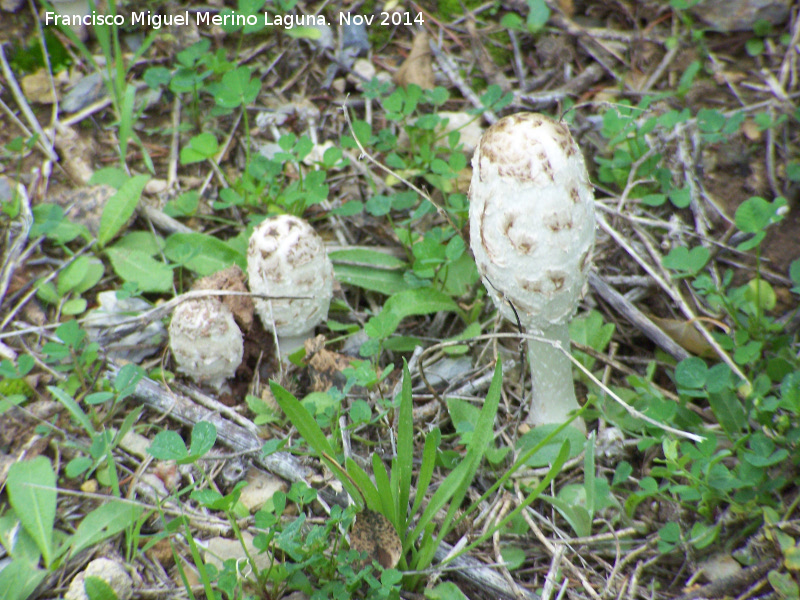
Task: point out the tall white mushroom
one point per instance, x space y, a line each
532 233
287 259
205 340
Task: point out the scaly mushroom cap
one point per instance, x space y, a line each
205 340
531 215
286 257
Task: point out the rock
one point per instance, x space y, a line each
260 488
37 88
113 573
87 91
355 38
740 15
74 8
325 40
11 5
363 70
220 549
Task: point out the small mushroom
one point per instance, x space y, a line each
205 340
532 233
287 260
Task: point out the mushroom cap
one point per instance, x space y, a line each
286 257
531 219
205 340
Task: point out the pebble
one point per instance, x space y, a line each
741 15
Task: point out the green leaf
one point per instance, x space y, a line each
432 441
372 497
761 294
49 220
681 198
384 488
113 176
513 556
74 306
577 516
370 278
418 301
31 487
19 579
783 583
549 450
685 261
404 462
730 413
464 417
454 487
204 435
237 89
691 373
203 254
201 147
589 486
367 257
755 214
168 445
120 208
104 522
446 590
98 589
74 408
555 468
538 15
135 266
72 275
308 33
301 419
140 241
792 558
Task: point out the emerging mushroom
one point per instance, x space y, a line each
205 340
532 233
287 258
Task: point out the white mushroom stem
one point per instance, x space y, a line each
553 391
287 344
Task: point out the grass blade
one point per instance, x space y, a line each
405 449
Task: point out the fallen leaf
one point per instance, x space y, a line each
686 335
374 534
417 67
231 280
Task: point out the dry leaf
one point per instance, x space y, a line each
374 534
567 7
231 280
324 367
686 335
76 153
417 67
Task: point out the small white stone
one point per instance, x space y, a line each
113 573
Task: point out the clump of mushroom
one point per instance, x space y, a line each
205 340
532 234
287 261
